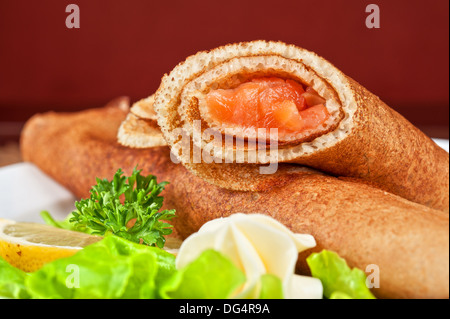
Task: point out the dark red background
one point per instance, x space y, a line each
124 47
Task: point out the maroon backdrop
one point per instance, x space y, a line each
124 47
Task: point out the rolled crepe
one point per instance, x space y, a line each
140 129
236 90
366 226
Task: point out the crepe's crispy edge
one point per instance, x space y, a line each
140 129
408 242
144 108
139 133
376 143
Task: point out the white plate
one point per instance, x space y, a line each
25 191
442 143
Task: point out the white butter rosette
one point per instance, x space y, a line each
258 245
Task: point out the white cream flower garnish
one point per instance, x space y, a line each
257 244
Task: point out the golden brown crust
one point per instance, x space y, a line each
409 242
140 129
144 108
388 151
139 132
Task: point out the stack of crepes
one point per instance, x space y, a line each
349 170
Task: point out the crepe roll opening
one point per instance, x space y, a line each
242 90
245 103
246 94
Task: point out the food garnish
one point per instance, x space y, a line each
338 279
126 212
126 206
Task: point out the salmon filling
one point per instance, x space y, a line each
268 102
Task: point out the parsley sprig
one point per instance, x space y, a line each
127 207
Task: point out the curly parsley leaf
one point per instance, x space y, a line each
126 206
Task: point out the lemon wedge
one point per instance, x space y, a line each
28 246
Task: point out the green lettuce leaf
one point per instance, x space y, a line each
211 276
12 281
339 295
111 268
271 287
214 276
338 280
